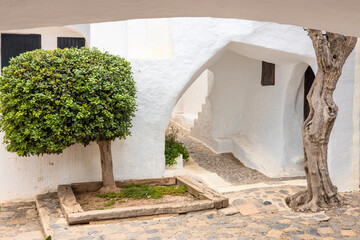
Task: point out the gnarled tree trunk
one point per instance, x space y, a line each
331 51
106 167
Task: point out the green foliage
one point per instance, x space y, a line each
48 237
137 191
84 203
109 203
173 148
52 99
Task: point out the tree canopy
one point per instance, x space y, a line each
52 99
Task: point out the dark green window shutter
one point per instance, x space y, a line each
14 44
68 42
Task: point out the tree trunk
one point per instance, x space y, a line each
331 51
106 167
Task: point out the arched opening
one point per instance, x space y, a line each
309 77
295 111
242 116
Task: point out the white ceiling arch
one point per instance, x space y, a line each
332 15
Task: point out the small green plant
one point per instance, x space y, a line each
138 191
109 203
84 203
173 148
100 208
48 238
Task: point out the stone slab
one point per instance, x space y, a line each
203 192
127 212
229 211
68 201
248 209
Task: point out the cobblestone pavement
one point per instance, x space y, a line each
20 221
253 214
225 165
257 213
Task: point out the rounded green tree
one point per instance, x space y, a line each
52 99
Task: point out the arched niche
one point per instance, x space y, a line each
294 107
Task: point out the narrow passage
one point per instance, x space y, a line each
226 165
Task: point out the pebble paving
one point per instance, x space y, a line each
225 165
19 221
273 221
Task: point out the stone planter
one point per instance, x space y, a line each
74 214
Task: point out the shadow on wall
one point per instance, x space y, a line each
260 125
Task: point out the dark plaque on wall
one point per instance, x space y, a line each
268 74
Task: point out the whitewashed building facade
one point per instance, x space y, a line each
205 73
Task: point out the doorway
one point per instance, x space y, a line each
308 81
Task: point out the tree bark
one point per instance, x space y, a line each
106 167
331 51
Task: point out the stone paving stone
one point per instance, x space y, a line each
325 230
154 238
337 235
269 209
274 233
19 221
248 209
238 202
228 211
279 226
348 233
335 226
314 232
307 237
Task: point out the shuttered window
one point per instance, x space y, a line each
268 74
14 44
68 42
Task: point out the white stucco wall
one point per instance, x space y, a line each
342 136
197 44
110 37
190 104
82 29
356 116
137 39
250 116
